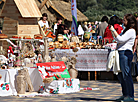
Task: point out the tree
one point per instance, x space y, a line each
95 9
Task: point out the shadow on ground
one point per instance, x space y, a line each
91 99
88 99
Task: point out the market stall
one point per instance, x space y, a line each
40 61
88 59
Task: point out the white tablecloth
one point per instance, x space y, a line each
88 59
9 75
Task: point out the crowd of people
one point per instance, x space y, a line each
97 28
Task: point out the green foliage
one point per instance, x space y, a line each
96 9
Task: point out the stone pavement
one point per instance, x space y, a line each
109 91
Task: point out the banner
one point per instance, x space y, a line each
49 69
74 26
53 66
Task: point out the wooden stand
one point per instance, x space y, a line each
95 75
46 52
89 75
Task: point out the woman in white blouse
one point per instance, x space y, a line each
43 21
125 42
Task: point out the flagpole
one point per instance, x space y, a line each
74 26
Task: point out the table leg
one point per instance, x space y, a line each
89 75
95 75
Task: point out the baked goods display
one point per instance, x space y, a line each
38 36
60 37
16 37
72 45
3 36
27 37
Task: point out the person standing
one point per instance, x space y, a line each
59 21
85 27
102 26
125 42
135 48
43 21
115 22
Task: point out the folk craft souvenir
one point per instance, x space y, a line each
39 59
46 51
11 61
18 62
64 74
75 39
2 51
71 67
0 76
28 80
21 84
3 62
23 78
56 44
87 36
53 57
60 37
27 50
